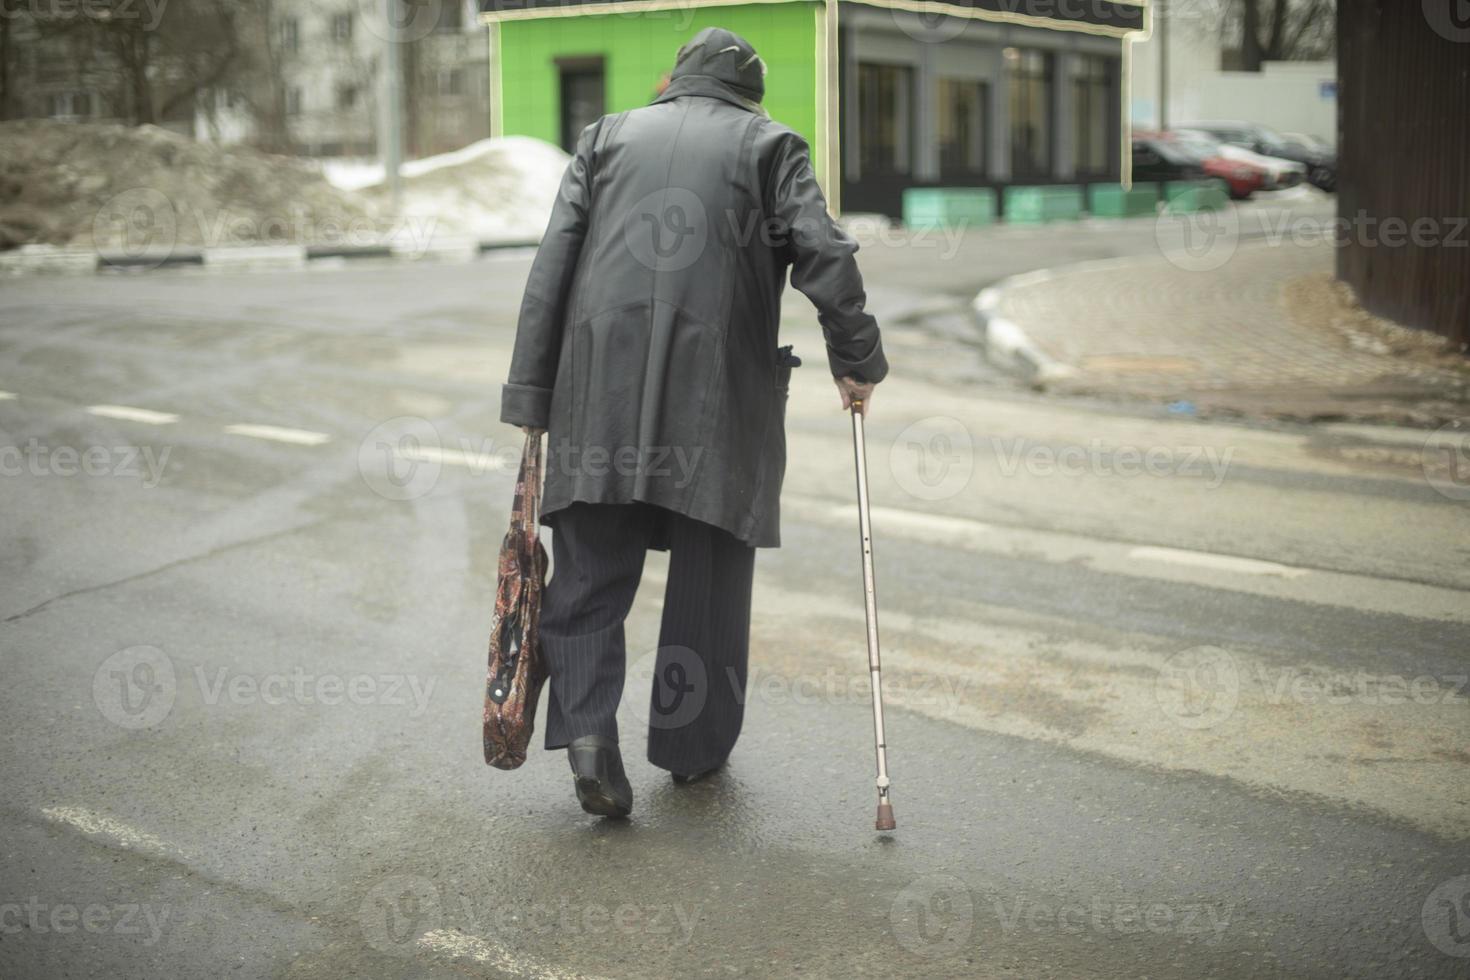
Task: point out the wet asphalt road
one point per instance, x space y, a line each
1167 699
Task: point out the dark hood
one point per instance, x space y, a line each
721 64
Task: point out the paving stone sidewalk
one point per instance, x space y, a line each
1268 334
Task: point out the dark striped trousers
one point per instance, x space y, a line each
698 697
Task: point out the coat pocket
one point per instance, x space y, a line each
785 361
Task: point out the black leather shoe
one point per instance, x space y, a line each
597 768
693 777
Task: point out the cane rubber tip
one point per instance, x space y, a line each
885 816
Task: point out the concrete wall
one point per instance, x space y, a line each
1288 96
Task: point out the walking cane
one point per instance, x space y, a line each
870 597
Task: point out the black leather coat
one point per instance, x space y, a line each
647 343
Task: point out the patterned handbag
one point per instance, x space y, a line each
517 671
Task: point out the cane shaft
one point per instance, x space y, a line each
870 602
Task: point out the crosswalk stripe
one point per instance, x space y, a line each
1225 563
893 526
129 414
275 433
459 945
100 825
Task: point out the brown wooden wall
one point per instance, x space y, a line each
1404 152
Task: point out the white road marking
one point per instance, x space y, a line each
7 396
128 414
447 942
965 532
959 530
98 825
275 433
454 457
894 527
1224 563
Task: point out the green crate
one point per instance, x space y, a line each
1033 205
948 207
1196 195
1112 201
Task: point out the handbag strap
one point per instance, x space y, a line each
526 509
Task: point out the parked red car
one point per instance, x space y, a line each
1242 177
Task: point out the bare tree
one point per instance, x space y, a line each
202 49
262 82
1278 30
159 66
9 9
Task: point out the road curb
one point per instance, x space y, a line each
70 260
250 258
1007 346
48 259
149 258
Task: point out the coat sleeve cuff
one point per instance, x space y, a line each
870 370
525 405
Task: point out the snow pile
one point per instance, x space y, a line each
135 188
494 189
351 173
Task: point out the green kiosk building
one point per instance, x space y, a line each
1006 97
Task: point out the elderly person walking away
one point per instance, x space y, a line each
647 349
